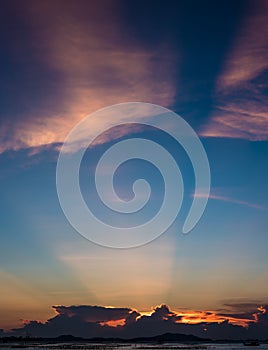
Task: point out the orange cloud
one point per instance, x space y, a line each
195 317
114 323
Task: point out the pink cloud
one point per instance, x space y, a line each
241 100
97 68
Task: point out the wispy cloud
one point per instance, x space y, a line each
241 99
231 200
93 65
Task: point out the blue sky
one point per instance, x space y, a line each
208 63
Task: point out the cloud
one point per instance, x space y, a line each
83 320
247 310
231 200
93 313
92 321
85 59
89 64
243 119
259 328
241 96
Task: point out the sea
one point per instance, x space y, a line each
136 346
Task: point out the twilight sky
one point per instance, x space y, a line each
205 60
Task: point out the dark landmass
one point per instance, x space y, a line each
167 337
69 341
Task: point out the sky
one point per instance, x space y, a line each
205 60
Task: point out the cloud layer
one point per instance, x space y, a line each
240 321
65 62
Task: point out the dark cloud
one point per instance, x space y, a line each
98 321
96 314
260 328
244 310
82 320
